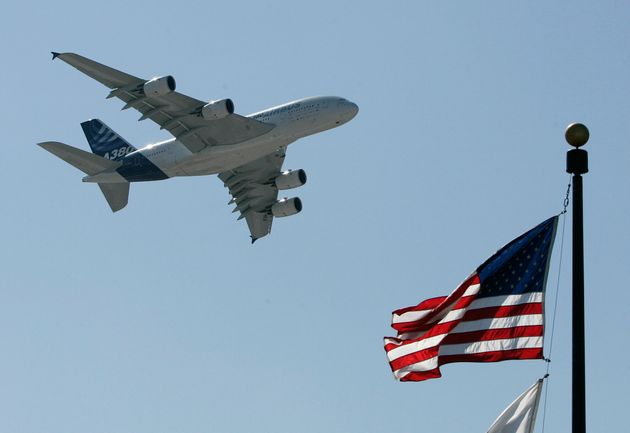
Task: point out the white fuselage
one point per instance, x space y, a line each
291 121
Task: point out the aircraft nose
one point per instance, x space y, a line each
345 111
353 109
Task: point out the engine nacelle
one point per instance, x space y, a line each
214 110
159 86
290 179
286 207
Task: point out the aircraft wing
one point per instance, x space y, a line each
254 191
177 113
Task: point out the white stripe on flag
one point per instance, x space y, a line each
491 346
507 300
413 316
499 323
476 325
473 289
410 316
482 324
414 347
426 365
493 301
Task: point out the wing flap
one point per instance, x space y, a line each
259 224
254 192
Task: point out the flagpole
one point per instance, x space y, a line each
577 164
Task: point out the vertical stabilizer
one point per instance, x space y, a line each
116 194
104 141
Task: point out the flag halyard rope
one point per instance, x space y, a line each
555 305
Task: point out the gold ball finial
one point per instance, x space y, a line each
576 134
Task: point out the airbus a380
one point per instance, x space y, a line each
246 152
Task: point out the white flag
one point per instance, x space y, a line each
520 416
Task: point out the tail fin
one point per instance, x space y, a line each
116 194
105 142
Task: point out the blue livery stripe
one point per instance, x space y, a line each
104 141
137 168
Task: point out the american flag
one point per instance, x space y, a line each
496 314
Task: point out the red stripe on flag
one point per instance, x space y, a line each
415 357
423 324
428 304
500 355
444 305
416 376
462 338
451 299
473 314
493 334
507 311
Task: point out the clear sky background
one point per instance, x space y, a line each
163 317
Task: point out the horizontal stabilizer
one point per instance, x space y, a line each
116 194
87 162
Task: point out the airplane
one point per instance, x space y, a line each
246 152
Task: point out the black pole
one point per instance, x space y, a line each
577 164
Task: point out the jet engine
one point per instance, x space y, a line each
286 207
159 86
214 110
290 179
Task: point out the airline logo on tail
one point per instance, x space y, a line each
104 141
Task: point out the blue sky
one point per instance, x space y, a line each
164 318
